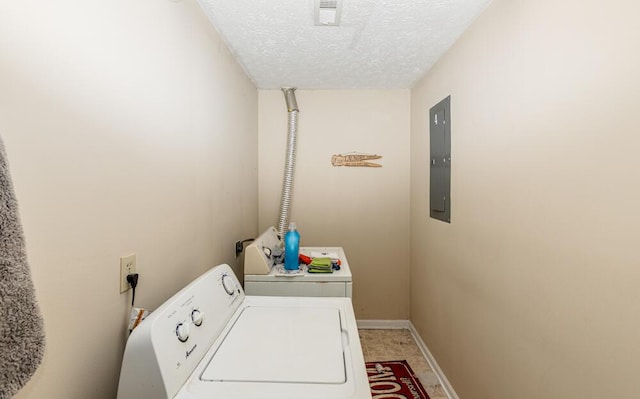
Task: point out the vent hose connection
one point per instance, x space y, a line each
290 162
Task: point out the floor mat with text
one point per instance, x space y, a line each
394 379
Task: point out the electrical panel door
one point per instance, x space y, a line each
440 160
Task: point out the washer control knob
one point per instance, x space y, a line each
197 317
228 284
182 331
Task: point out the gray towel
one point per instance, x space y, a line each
21 326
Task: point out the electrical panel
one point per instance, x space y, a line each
440 160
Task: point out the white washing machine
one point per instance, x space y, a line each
211 341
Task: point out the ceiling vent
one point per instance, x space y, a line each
327 12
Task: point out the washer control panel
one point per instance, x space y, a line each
179 333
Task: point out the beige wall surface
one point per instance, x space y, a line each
364 210
532 290
129 128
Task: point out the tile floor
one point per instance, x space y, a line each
381 345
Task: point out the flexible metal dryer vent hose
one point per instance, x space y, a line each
290 162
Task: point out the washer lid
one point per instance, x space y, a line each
286 344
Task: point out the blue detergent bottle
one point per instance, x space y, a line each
291 248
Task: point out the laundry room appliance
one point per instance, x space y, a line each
264 273
211 341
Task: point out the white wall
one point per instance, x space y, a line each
532 290
129 128
364 210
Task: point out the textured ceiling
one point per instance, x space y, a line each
380 44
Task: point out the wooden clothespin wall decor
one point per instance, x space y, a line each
355 159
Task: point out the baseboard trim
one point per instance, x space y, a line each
444 382
383 324
407 325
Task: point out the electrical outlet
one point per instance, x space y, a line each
127 266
